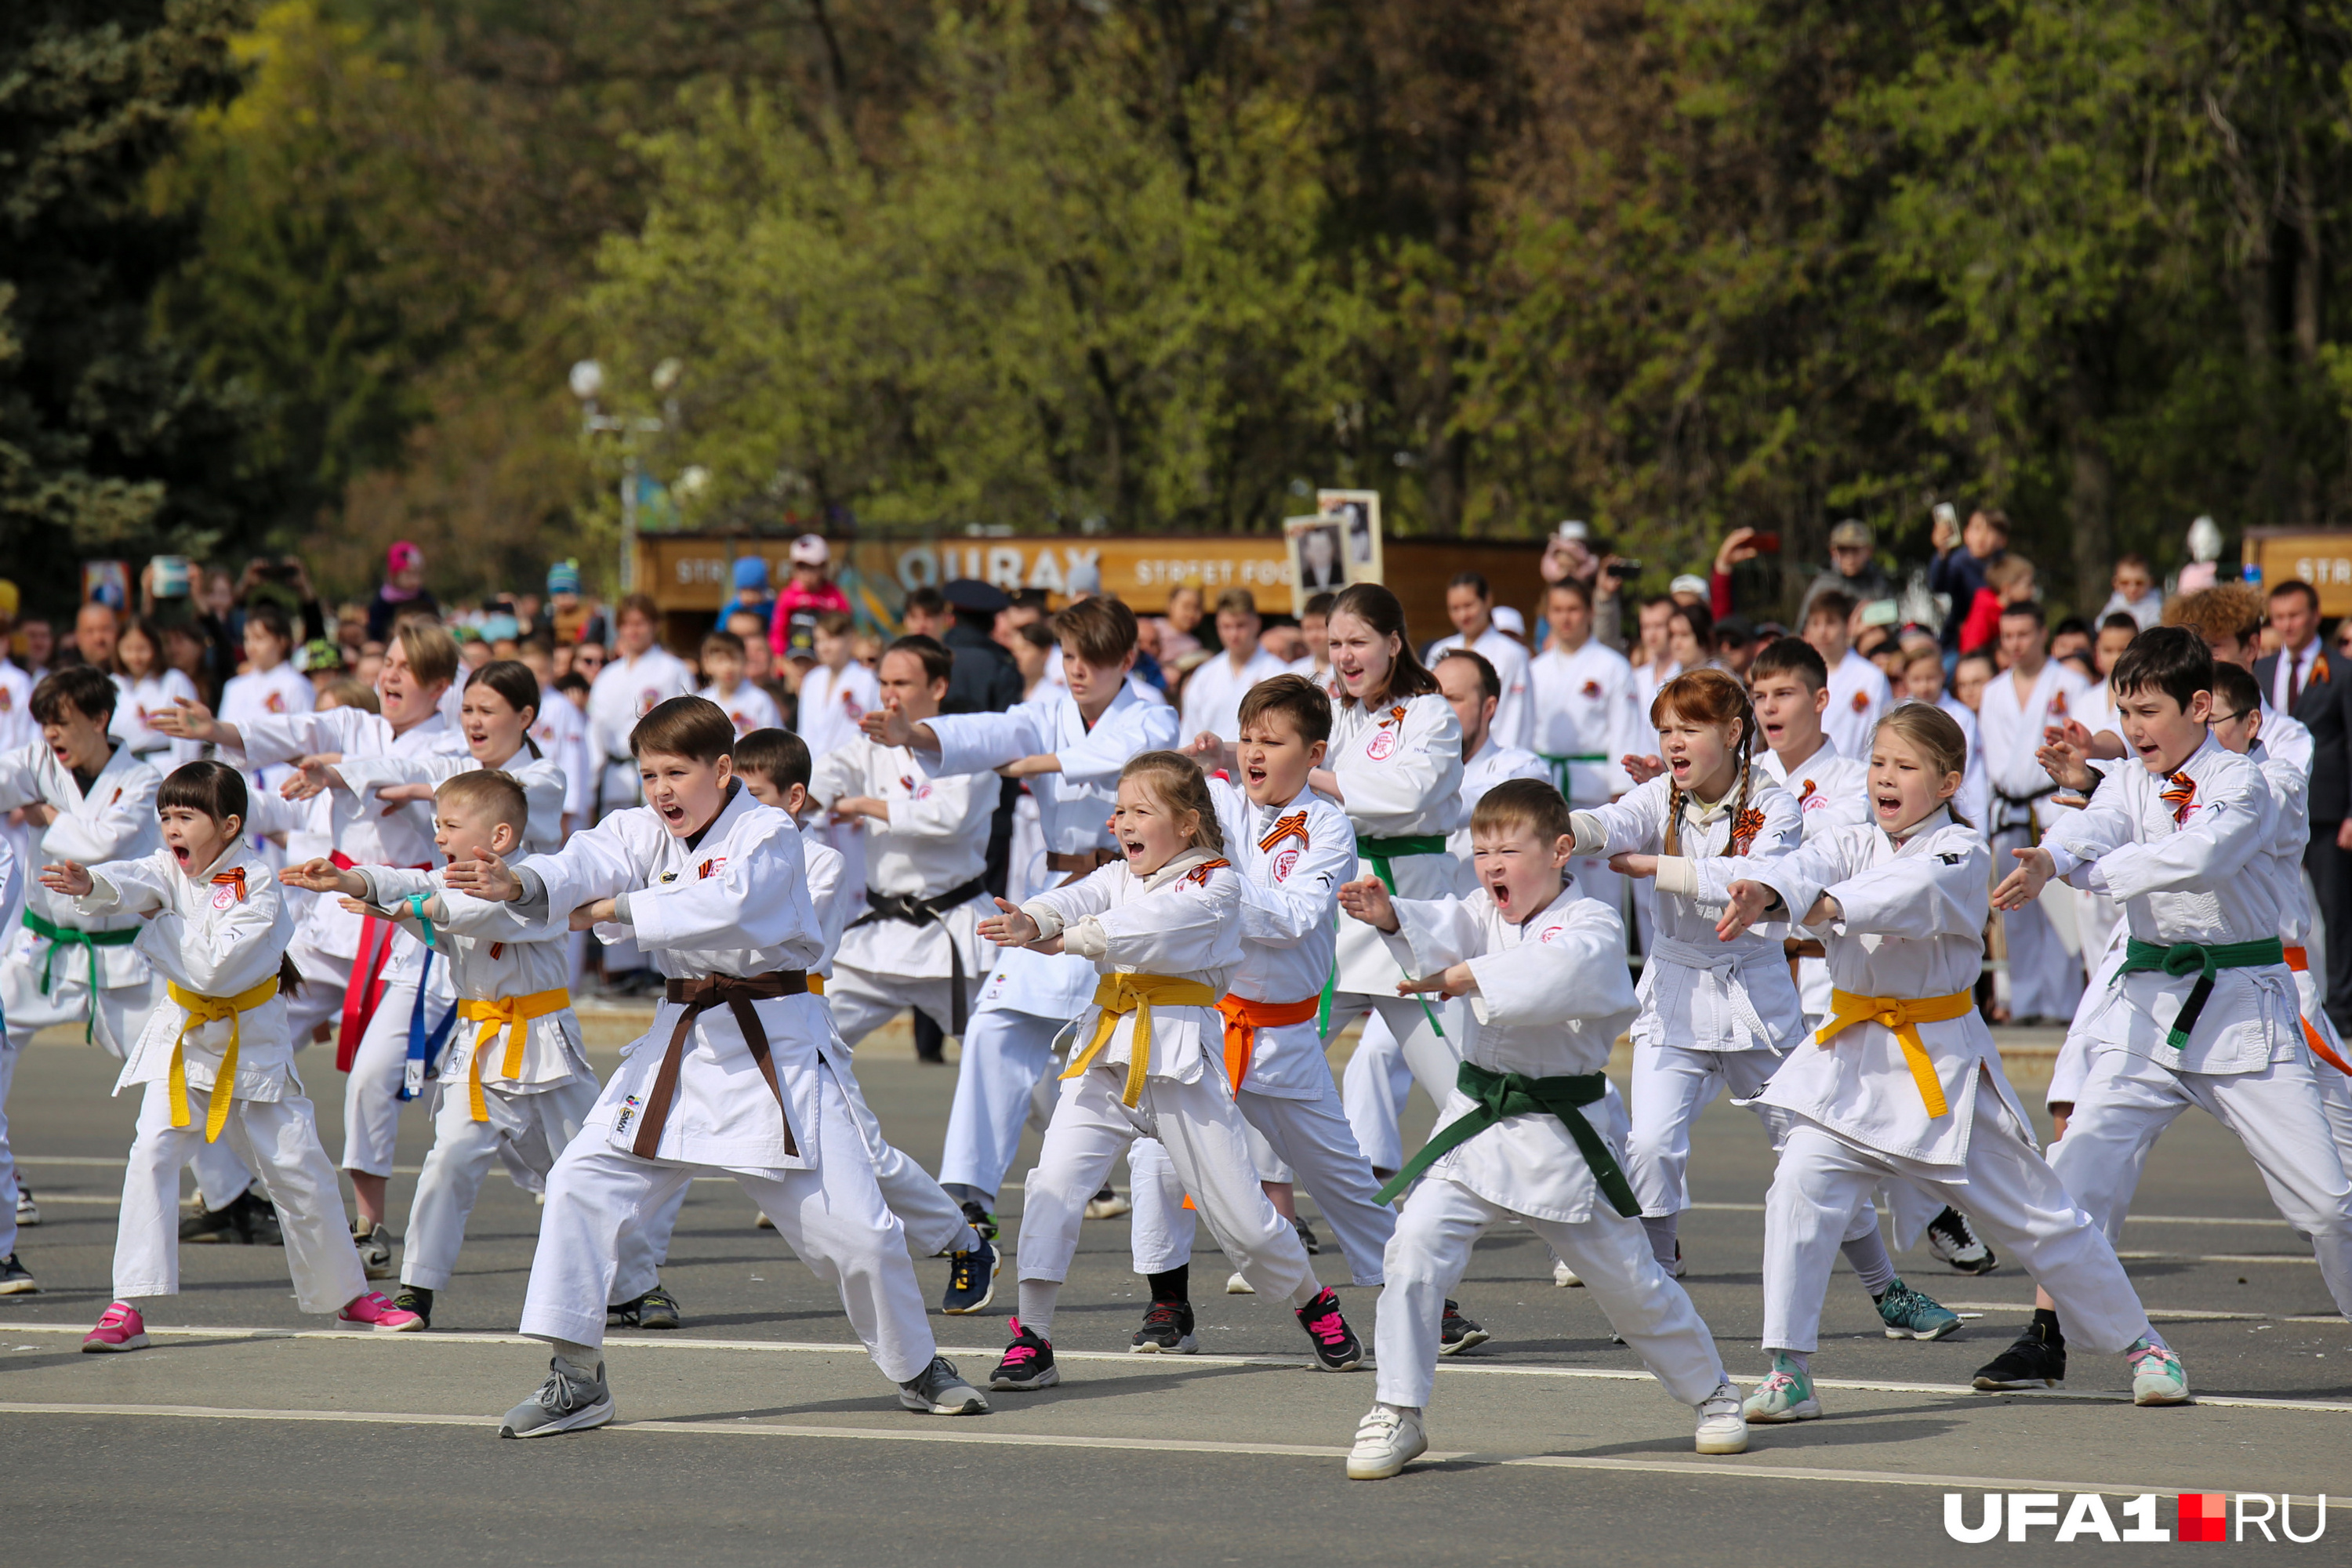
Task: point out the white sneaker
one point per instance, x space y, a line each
763 1222
1108 1203
1722 1428
1562 1275
1386 1439
2158 1376
1237 1285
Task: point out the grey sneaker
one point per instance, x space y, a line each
942 1391
1911 1314
375 1250
566 1403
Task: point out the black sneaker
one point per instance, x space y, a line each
1458 1334
1306 1238
16 1279
214 1225
257 1219
1028 1363
979 1219
1167 1331
971 1279
415 1299
2036 1360
1337 1349
656 1308
1951 1238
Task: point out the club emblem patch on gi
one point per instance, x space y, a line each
1284 863
628 1113
1382 744
2057 708
708 866
224 898
1591 691
1550 933
647 700
1861 701
275 702
7 700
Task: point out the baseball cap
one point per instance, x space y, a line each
1852 532
971 594
1510 620
810 550
751 570
1688 584
1572 529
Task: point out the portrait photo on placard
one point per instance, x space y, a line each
1318 561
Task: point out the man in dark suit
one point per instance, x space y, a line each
2302 682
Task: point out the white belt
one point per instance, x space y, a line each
1723 960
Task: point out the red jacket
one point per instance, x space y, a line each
795 600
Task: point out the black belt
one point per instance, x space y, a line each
736 992
914 909
1084 863
2007 799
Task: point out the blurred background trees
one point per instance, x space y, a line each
310 273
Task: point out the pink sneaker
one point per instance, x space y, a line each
373 1311
122 1329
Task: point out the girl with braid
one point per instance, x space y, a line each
1714 1014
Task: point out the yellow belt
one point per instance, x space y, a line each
816 984
211 1010
511 1014
1117 994
1903 1015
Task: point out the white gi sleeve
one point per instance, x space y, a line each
1055 909
837 774
1177 930
129 887
1442 932
982 742
749 901
1425 770
283 737
1114 741
222 956
1578 973
2221 833
113 827
1941 892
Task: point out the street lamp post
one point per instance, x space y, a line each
587 380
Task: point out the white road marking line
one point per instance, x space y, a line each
2134 1219
1729 1466
1177 1363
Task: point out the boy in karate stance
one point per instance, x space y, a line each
729 1081
1544 968
2205 1013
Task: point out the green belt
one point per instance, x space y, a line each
2197 959
1380 851
69 936
1502 1094
1559 765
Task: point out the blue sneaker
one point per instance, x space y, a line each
1910 1315
971 1279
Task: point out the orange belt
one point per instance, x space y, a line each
2299 961
1244 1019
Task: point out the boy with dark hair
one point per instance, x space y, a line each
713 883
1858 689
2205 1011
2034 693
1213 691
1470 605
723 667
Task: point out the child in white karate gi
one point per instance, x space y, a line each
89 800
729 1080
1069 744
215 1057
2205 1012
774 766
1715 1016
515 1075
1164 931
1293 849
926 858
1544 968
1905 1081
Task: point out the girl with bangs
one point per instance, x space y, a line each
1714 1014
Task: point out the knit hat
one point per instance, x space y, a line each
563 577
401 557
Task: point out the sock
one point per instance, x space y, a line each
964 1193
2047 1321
2150 1340
1306 1292
1173 1286
1801 1361
578 1359
1662 1238
1037 1297
967 1240
1868 1255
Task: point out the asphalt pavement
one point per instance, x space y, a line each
759 1432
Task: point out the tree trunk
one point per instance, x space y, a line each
2090 485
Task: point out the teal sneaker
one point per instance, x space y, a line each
2158 1376
1787 1395
1911 1315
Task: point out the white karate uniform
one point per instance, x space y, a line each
1552 995
16 729
2191 870
733 899
2046 980
1292 856
1585 719
219 938
11 890
624 691
1213 692
935 842
1975 797
532 1113
1831 790
1911 927
1028 998
748 710
1183 922
1859 696
563 735
831 704
1400 772
327 943
1715 1016
1514 725
137 701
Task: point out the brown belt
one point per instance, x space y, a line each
736 992
1084 863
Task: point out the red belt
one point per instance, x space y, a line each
366 989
